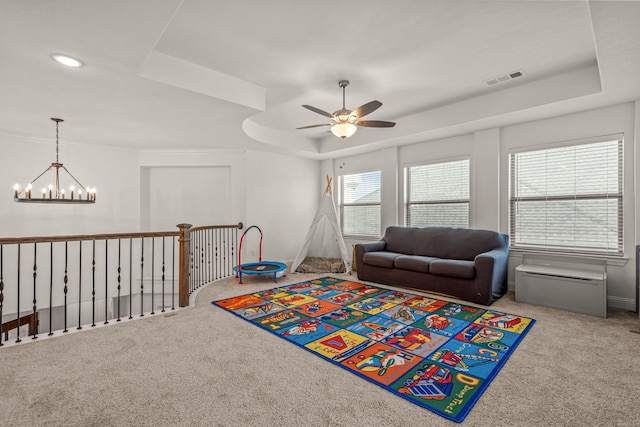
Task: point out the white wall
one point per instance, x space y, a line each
488 151
196 195
283 193
605 121
221 187
278 193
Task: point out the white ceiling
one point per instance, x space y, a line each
197 74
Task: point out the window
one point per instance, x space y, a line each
437 194
359 203
568 198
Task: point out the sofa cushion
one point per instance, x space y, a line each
413 263
442 242
399 239
380 259
453 268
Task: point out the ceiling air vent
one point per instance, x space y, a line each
505 78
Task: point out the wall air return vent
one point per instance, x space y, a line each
504 78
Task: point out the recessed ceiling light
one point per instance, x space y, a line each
66 60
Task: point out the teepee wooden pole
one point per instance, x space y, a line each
328 189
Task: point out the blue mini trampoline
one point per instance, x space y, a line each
260 267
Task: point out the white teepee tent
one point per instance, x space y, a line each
324 239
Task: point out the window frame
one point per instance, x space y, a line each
617 252
341 204
406 187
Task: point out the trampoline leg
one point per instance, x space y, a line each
240 276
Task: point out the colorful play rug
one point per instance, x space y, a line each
436 354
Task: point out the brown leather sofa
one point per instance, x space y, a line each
464 263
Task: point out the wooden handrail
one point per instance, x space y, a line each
107 236
213 227
77 237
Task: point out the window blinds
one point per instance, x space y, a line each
568 198
359 204
437 194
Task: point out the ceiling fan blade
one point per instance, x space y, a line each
367 108
319 111
375 123
314 126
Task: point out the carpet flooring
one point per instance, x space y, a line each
188 368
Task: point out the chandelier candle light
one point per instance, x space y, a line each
53 193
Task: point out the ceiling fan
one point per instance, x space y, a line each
346 122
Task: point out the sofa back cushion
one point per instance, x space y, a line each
442 242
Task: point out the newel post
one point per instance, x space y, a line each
183 280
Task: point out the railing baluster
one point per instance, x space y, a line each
35 308
131 278
163 239
225 247
119 270
93 285
211 254
80 285
202 260
192 269
51 289
207 264
1 289
218 261
153 274
173 273
234 243
207 260
196 260
66 278
142 280
106 281
18 310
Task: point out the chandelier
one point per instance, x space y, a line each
53 193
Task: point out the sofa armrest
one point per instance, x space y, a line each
372 247
492 267
362 248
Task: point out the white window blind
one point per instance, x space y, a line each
359 204
568 198
437 194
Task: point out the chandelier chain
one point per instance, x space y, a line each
57 124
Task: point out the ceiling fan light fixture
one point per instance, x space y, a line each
344 130
346 122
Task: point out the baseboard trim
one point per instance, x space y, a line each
628 304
